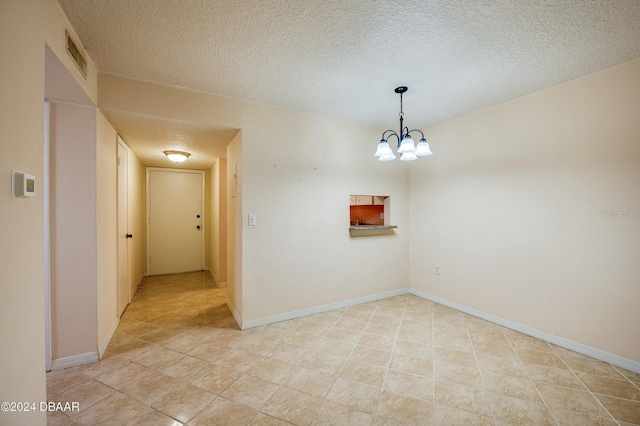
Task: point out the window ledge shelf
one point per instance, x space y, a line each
370 227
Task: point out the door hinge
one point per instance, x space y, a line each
118 161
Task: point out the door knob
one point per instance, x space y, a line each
129 236
198 227
198 216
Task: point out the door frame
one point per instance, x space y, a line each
46 185
148 211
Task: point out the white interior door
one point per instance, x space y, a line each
123 228
175 221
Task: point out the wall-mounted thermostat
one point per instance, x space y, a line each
23 185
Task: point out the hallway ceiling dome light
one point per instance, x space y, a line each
177 156
406 147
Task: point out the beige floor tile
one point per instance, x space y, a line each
215 378
450 356
182 343
334 347
414 350
505 367
343 334
517 387
354 395
272 370
290 353
157 357
293 406
123 375
261 419
612 387
423 338
180 325
183 367
408 364
183 402
56 418
519 411
381 329
409 385
383 343
553 376
311 382
250 391
305 340
322 362
591 366
621 409
116 409
394 320
86 394
62 383
448 416
156 418
497 351
405 410
151 388
461 397
239 359
334 414
565 416
459 374
360 372
548 359
370 355
223 412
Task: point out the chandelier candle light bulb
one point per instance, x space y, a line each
406 147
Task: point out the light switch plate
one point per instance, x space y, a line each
252 220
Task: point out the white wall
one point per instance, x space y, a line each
73 230
510 207
106 228
22 377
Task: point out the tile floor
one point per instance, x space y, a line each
178 358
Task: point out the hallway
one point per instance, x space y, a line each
179 358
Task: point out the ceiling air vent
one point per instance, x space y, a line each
74 52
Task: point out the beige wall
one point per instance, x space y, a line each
510 207
22 378
217 190
73 230
298 172
234 227
137 210
106 227
301 204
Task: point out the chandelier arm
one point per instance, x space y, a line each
391 133
415 130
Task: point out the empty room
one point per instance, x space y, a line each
320 212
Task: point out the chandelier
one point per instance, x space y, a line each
406 147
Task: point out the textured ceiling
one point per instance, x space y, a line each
344 58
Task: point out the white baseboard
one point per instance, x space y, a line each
235 314
319 309
74 360
542 335
222 285
107 339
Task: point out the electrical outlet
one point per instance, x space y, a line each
437 271
381 215
252 220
